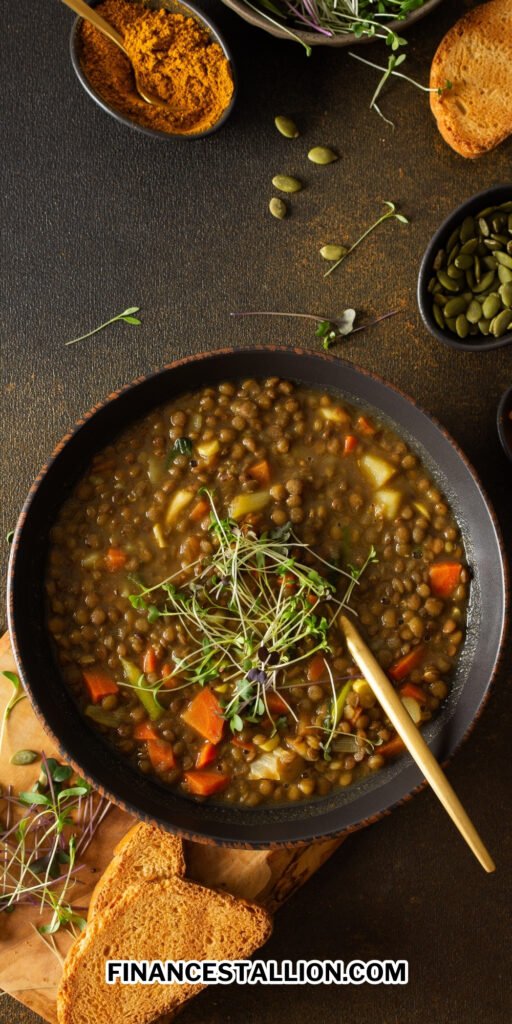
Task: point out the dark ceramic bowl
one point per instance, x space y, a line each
505 422
146 797
175 6
254 17
497 194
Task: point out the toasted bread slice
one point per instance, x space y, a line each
170 919
144 854
475 115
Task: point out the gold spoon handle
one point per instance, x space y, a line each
81 8
411 736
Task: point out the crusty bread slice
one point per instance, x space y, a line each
144 854
170 919
475 115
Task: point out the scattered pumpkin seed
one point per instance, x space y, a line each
333 252
278 207
322 155
285 183
286 127
22 757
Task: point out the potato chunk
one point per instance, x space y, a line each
376 469
387 502
243 504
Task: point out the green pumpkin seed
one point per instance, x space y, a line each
447 282
477 268
501 323
483 227
451 323
498 222
278 207
453 239
485 283
322 155
455 272
490 262
474 312
439 260
491 305
454 252
492 244
484 326
286 127
455 306
440 299
464 261
438 316
509 247
22 757
469 247
467 230
462 326
285 183
504 259
505 292
431 284
504 274
333 252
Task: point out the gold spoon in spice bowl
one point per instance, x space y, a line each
82 8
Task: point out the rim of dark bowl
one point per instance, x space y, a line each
497 193
74 51
286 825
504 407
253 17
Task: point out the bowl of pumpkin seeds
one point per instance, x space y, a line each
465 278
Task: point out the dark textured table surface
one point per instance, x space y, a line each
99 218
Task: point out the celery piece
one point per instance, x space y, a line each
144 692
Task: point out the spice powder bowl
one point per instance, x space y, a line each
173 7
225 824
478 343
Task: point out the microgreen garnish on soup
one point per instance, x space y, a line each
125 317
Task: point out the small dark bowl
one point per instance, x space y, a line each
497 194
505 422
175 6
254 17
147 798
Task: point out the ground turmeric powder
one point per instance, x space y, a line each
175 59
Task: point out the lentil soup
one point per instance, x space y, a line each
196 573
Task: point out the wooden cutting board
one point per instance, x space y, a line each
29 969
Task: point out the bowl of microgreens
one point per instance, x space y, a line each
333 22
88 751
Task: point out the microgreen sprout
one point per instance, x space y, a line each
330 330
390 214
15 698
44 831
126 317
9 537
394 62
256 607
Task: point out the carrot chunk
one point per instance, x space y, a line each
205 783
99 685
350 444
391 749
276 704
401 668
150 663
206 755
410 690
199 510
444 577
161 755
169 677
316 668
365 426
260 471
204 714
145 731
115 559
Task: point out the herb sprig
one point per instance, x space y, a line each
390 214
330 330
126 317
15 699
45 831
